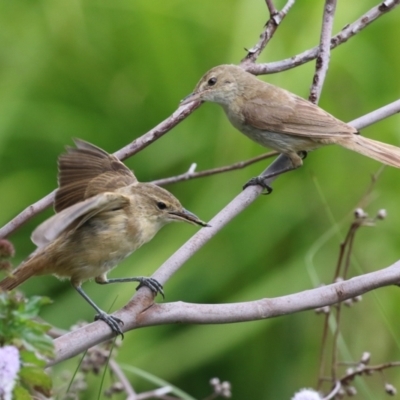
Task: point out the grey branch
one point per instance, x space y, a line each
74 342
271 8
270 28
324 53
345 34
193 175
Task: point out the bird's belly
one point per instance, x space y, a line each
92 252
281 142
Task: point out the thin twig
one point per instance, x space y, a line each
323 349
345 34
335 339
159 393
368 369
27 214
324 53
116 369
334 391
270 28
161 129
193 175
271 8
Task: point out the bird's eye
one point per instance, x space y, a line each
212 81
161 205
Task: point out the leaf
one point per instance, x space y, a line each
21 393
37 378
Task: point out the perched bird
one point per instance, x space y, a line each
276 118
103 215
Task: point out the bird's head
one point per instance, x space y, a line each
159 206
219 85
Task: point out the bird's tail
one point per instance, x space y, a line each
383 152
27 269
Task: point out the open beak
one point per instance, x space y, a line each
187 216
191 97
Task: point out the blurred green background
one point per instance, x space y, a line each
107 72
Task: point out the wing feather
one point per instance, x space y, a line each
77 214
283 112
86 171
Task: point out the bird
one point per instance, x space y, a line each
276 118
103 214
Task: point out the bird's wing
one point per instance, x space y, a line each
87 170
284 112
77 214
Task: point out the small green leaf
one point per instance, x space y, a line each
21 393
36 377
28 357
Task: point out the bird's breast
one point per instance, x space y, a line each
96 247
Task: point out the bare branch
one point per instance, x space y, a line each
361 370
271 8
116 369
345 34
193 175
27 214
266 35
323 58
162 128
74 342
376 115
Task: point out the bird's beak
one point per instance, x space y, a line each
191 97
187 216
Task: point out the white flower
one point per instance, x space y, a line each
9 367
307 394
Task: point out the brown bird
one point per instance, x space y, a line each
103 215
276 118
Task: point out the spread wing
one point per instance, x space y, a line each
86 171
76 214
276 110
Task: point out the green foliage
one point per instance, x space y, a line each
19 328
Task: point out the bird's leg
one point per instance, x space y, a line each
113 322
151 283
274 170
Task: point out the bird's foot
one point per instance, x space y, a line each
152 284
260 181
113 322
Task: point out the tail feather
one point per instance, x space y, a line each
383 152
20 274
